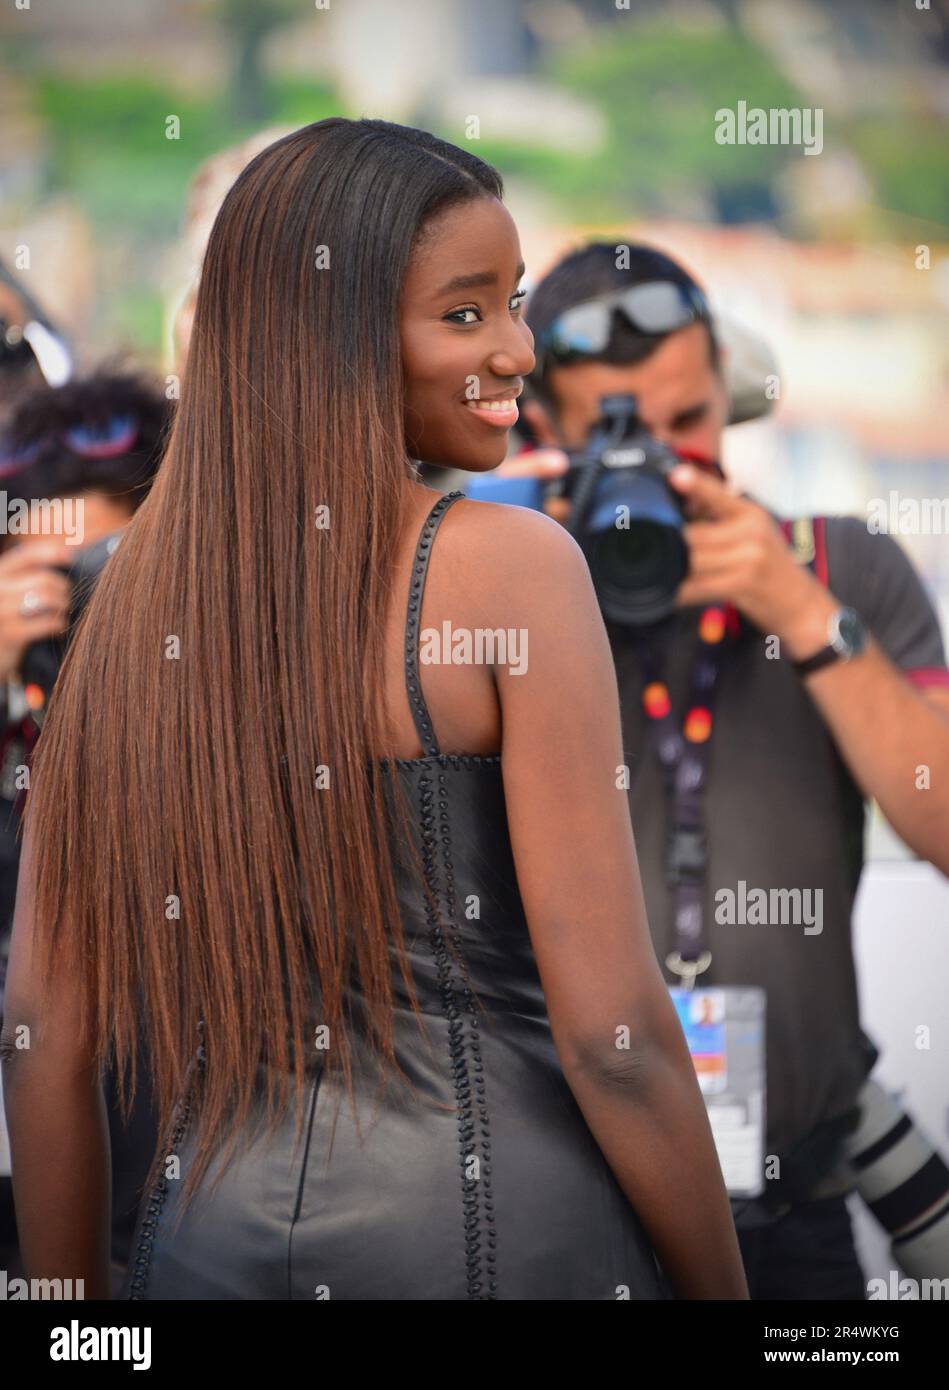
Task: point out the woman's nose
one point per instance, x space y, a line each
514 356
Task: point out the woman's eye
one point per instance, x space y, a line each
514 304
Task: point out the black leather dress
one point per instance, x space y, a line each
487 1185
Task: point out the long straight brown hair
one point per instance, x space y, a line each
186 862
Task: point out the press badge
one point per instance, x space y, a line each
724 1028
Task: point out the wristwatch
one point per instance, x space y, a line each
846 638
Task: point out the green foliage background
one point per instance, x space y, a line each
658 87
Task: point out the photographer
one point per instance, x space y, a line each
87 453
763 705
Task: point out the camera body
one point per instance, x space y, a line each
625 516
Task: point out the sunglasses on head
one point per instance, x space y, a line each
653 308
109 440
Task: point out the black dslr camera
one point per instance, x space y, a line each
626 517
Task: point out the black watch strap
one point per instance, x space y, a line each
816 662
848 638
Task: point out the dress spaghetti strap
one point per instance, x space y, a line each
420 714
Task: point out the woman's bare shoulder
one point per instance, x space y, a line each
507 547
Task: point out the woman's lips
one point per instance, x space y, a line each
502 414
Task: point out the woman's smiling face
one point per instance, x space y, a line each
465 345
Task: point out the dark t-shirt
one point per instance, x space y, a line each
781 811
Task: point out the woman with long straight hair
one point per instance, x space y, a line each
332 810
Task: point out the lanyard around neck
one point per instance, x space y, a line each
683 749
683 746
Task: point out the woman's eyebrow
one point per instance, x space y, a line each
474 282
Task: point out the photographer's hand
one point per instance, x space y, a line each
26 574
540 463
738 554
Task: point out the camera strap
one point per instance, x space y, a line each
683 751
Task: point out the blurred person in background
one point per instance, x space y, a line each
32 352
784 756
95 444
206 191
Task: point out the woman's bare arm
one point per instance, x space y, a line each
55 1111
614 1024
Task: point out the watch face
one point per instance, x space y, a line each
850 636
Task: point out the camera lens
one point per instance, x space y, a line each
634 546
637 572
